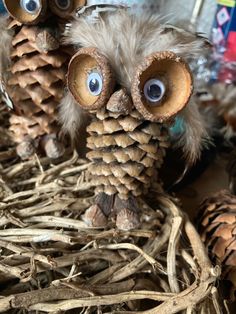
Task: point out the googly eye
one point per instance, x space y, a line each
95 83
154 90
63 4
31 6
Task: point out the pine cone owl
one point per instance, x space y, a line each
131 76
36 76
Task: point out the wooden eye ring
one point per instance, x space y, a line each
81 64
17 12
175 73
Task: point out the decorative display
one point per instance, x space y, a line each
217 225
36 80
67 242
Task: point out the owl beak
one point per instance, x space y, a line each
46 41
120 102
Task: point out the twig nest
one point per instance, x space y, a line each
162 267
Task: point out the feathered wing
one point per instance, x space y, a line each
73 119
5 48
195 135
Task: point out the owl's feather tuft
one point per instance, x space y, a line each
195 135
71 116
5 47
126 40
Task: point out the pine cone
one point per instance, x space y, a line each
36 83
217 226
126 152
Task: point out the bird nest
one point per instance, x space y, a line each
52 262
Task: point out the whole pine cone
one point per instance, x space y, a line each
217 226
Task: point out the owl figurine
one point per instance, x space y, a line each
132 76
35 77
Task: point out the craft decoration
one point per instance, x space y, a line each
38 64
133 86
51 260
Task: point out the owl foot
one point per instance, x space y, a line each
52 147
127 213
127 219
94 217
26 149
124 213
98 214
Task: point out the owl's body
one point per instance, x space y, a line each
131 77
36 76
126 151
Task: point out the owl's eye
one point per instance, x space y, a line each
162 86
29 12
154 90
63 4
94 83
31 6
90 79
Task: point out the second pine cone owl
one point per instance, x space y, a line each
35 78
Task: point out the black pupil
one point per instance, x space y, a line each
31 6
94 85
154 91
63 3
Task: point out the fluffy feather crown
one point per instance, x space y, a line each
126 39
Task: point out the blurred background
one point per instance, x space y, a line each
203 11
